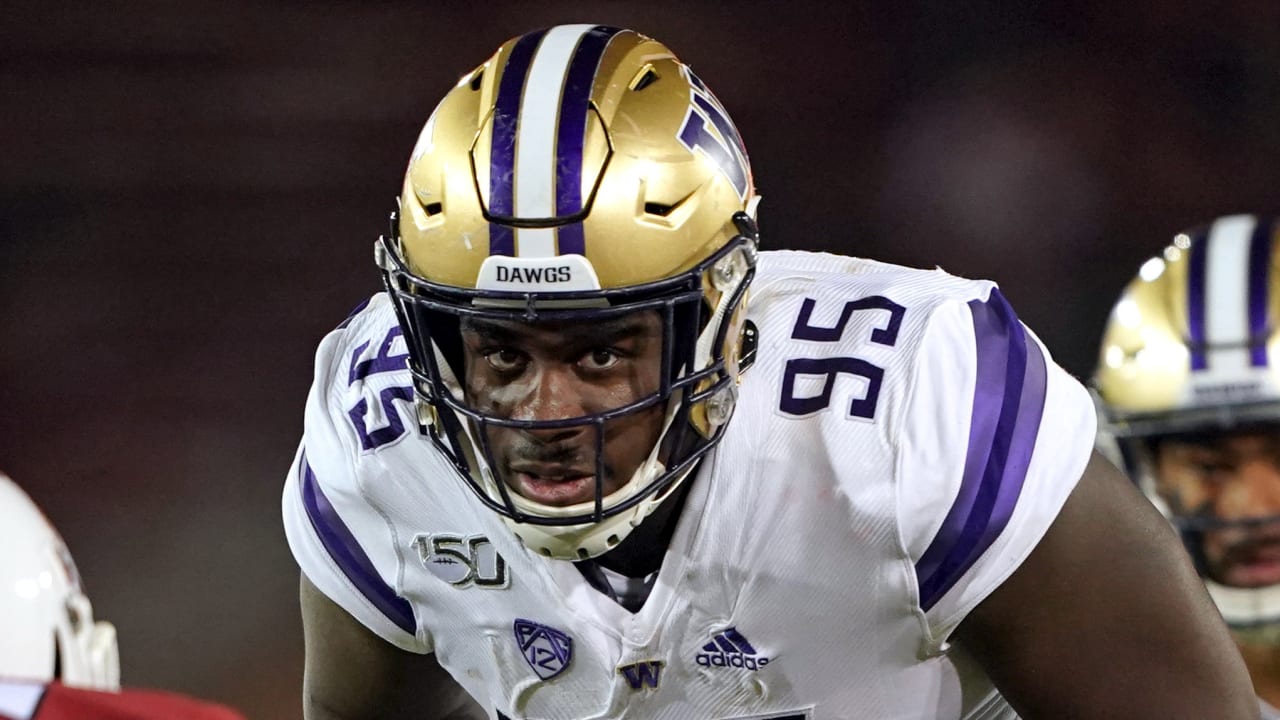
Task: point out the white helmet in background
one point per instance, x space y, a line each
47 631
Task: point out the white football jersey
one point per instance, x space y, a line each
900 445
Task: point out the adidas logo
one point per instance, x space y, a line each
728 648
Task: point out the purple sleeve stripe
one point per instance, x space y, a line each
1259 274
1196 263
350 557
1008 404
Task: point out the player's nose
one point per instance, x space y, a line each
553 394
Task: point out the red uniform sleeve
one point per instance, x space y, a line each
64 703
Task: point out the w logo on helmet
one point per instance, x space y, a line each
707 128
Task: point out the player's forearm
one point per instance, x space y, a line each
316 709
452 708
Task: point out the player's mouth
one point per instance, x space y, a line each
553 485
1256 566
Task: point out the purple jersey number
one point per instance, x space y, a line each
829 368
382 362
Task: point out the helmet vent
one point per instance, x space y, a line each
476 80
643 79
664 209
434 208
659 209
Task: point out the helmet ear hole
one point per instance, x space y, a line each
74 617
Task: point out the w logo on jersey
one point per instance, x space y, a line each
641 674
728 648
546 649
707 129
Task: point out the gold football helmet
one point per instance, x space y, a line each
581 173
1192 349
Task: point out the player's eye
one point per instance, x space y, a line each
599 359
1214 468
505 360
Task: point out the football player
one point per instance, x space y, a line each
564 467
1188 387
56 661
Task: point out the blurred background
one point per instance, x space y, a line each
189 192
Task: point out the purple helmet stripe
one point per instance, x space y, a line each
575 105
502 239
571 239
1196 269
502 147
1008 404
349 556
1259 291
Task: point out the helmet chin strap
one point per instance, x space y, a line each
588 540
591 540
1251 612
1267 634
649 469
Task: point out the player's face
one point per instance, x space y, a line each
558 371
1230 477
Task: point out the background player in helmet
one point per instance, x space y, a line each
639 489
56 662
1188 385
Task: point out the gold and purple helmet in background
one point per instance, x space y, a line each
581 173
1191 349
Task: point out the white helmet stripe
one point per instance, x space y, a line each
535 186
1226 297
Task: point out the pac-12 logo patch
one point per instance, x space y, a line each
547 650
